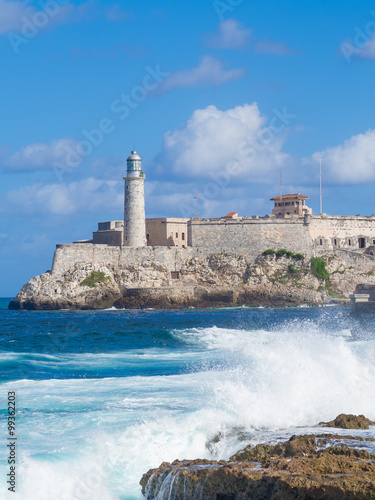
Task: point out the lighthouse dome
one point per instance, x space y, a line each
134 156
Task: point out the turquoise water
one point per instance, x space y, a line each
105 395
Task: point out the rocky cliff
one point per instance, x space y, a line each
273 279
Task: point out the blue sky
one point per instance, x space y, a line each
217 97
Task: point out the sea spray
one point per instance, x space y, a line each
136 389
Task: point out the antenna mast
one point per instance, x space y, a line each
281 184
320 180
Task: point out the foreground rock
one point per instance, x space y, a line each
305 467
345 421
217 280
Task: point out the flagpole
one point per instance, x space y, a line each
320 182
281 185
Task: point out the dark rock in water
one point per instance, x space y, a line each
345 421
296 469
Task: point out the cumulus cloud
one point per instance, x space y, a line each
40 156
17 16
238 140
210 71
231 35
352 162
11 13
87 196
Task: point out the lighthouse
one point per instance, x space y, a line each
134 209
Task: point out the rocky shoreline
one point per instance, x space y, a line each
275 279
313 466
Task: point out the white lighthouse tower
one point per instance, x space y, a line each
134 210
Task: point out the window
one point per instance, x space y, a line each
287 204
373 242
335 243
148 237
175 275
176 235
321 242
183 236
127 187
350 243
362 242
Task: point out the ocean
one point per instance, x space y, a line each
103 396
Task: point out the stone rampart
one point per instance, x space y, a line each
248 236
169 258
330 233
311 236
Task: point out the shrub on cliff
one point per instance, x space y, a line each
94 278
318 267
292 269
269 252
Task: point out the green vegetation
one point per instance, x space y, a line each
282 252
298 256
292 269
332 293
269 252
318 267
94 278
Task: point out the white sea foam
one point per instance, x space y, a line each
95 438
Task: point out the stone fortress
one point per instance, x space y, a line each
204 262
291 225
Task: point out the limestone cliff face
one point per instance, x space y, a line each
214 280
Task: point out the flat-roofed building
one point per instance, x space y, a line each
166 231
291 204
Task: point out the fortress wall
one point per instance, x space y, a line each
346 230
242 236
250 236
67 256
359 261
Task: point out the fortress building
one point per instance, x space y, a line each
291 225
291 204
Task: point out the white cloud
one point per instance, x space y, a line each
21 17
87 196
40 156
11 13
231 35
212 140
211 71
350 163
